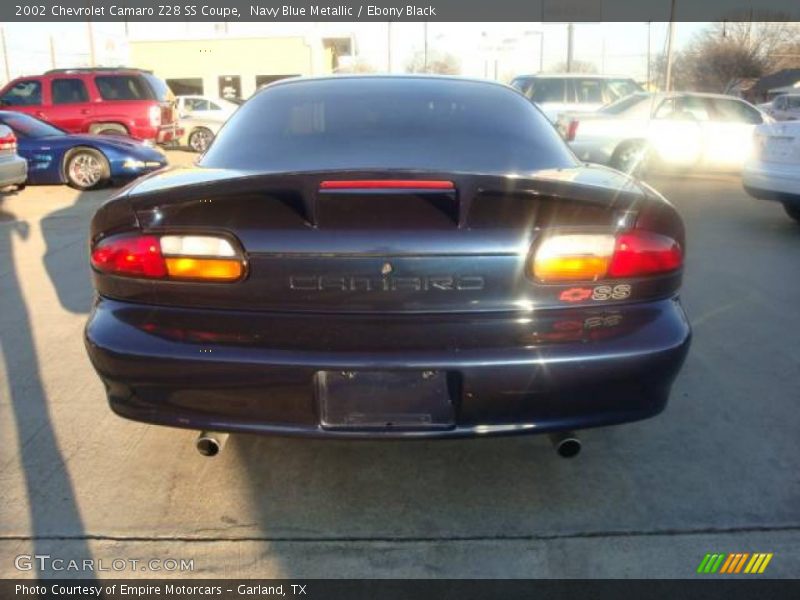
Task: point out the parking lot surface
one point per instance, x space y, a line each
717 472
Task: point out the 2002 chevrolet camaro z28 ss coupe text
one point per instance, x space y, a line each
384 257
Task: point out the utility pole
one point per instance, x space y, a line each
670 44
52 53
91 44
5 53
541 52
570 36
425 51
649 23
389 47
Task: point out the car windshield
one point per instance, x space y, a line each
401 123
620 88
29 127
624 105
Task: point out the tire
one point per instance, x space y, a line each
793 210
108 129
630 158
200 139
86 168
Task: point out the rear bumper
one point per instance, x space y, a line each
169 134
772 181
13 171
515 373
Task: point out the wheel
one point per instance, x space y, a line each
200 139
86 168
630 158
108 129
793 210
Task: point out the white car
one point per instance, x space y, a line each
555 93
773 170
687 130
202 107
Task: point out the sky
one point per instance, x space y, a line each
495 50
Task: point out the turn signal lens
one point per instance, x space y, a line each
182 257
574 257
204 268
591 257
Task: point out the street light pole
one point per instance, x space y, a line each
570 36
670 43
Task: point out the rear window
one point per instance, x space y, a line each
162 91
123 87
403 123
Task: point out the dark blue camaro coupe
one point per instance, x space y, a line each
82 161
387 257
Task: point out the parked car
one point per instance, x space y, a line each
785 107
13 168
555 93
98 101
202 107
199 132
681 129
773 171
82 161
387 257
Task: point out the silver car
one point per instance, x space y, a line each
555 93
13 168
679 129
785 107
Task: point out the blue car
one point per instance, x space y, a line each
82 161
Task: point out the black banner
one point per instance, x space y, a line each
392 589
410 10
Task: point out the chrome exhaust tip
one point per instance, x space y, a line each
210 443
566 444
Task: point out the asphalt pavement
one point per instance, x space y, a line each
716 472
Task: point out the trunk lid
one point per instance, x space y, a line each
377 250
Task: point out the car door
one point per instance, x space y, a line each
27 96
793 108
729 133
675 131
72 109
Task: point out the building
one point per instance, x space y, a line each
775 84
235 67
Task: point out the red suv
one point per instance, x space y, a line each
104 100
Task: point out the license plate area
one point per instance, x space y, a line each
386 400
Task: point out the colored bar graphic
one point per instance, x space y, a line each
734 563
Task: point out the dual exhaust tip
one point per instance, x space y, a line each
565 443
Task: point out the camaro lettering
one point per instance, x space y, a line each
320 283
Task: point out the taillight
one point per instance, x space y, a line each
8 142
174 257
572 130
592 257
155 116
640 253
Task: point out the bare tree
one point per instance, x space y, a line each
578 66
359 65
729 52
438 62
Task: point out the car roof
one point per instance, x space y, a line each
373 77
571 76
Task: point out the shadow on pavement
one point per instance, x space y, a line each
66 257
53 508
